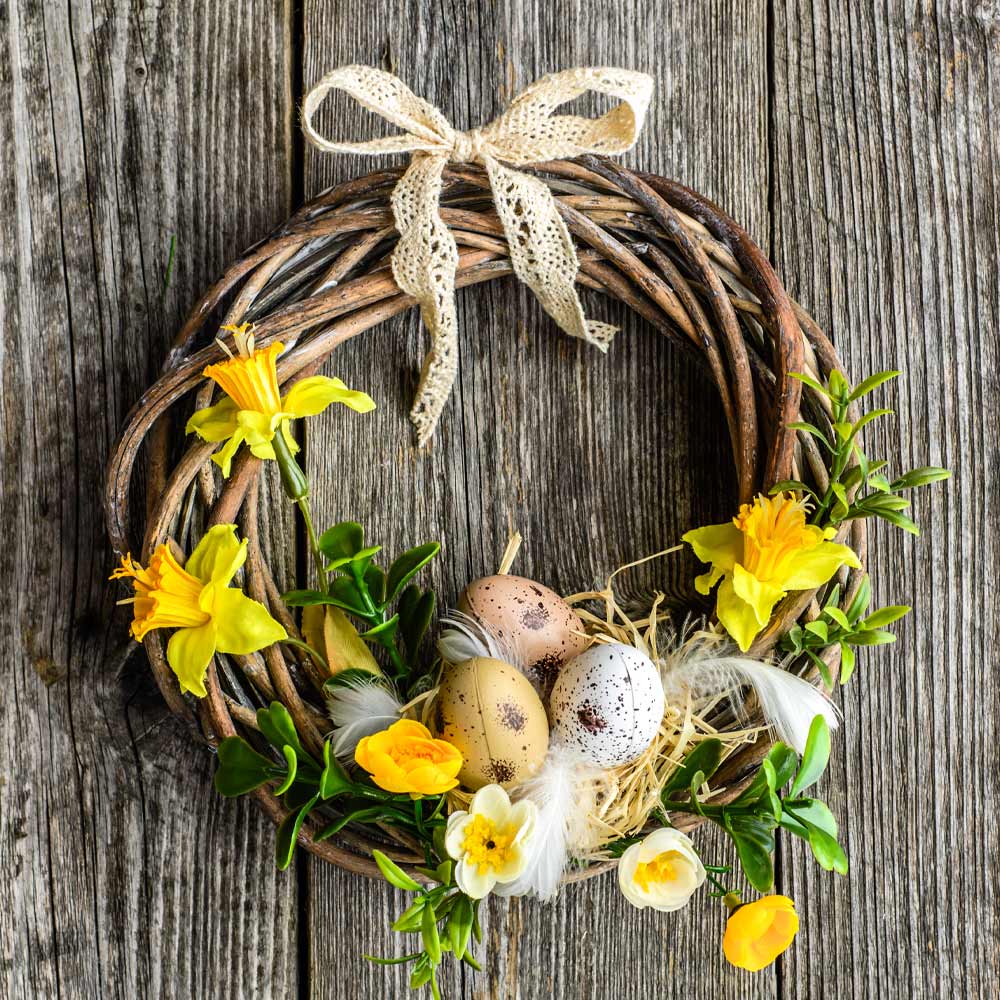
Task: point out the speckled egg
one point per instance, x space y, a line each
538 625
491 713
607 703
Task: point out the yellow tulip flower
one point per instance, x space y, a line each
253 409
758 932
195 599
406 758
764 552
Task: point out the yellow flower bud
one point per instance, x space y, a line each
758 932
406 758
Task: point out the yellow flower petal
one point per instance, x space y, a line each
218 555
759 594
242 625
738 618
813 567
189 653
223 458
214 423
313 395
718 544
704 583
258 428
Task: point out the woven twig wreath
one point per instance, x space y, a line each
322 278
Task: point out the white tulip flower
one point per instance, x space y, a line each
491 842
662 872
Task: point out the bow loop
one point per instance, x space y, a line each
425 260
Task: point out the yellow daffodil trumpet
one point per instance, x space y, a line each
253 409
195 600
406 758
758 932
766 551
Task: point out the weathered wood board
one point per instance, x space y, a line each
853 141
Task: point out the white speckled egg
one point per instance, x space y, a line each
540 627
607 703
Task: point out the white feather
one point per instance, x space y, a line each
787 702
561 791
360 708
466 638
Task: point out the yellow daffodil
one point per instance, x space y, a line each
406 758
663 871
758 932
195 599
253 409
764 552
492 842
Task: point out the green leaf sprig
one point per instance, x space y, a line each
444 917
858 488
304 783
848 629
362 589
751 819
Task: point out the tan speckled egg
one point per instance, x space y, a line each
490 712
538 625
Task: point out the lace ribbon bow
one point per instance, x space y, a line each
425 260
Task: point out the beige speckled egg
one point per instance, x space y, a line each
490 712
538 625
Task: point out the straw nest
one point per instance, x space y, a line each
322 278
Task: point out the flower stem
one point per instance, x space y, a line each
303 504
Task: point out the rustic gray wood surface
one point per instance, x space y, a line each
856 142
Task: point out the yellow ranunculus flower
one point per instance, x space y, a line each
197 601
758 932
406 758
253 409
764 552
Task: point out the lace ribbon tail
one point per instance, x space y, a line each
424 264
542 251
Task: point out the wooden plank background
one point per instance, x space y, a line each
856 143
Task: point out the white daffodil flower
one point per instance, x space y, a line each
662 872
491 842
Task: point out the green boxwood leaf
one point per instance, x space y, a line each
811 382
305 598
361 559
382 633
288 834
791 486
429 933
415 611
872 382
344 593
333 781
277 727
293 767
837 616
408 565
899 520
827 851
876 637
923 476
342 541
754 844
704 757
815 757
393 874
411 918
859 605
375 582
848 659
886 616
241 768
813 812
819 628
802 425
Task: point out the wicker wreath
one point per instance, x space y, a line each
320 279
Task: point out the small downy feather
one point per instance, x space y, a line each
561 790
358 708
788 703
466 637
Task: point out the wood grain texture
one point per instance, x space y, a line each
121 125
855 140
886 221
596 460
